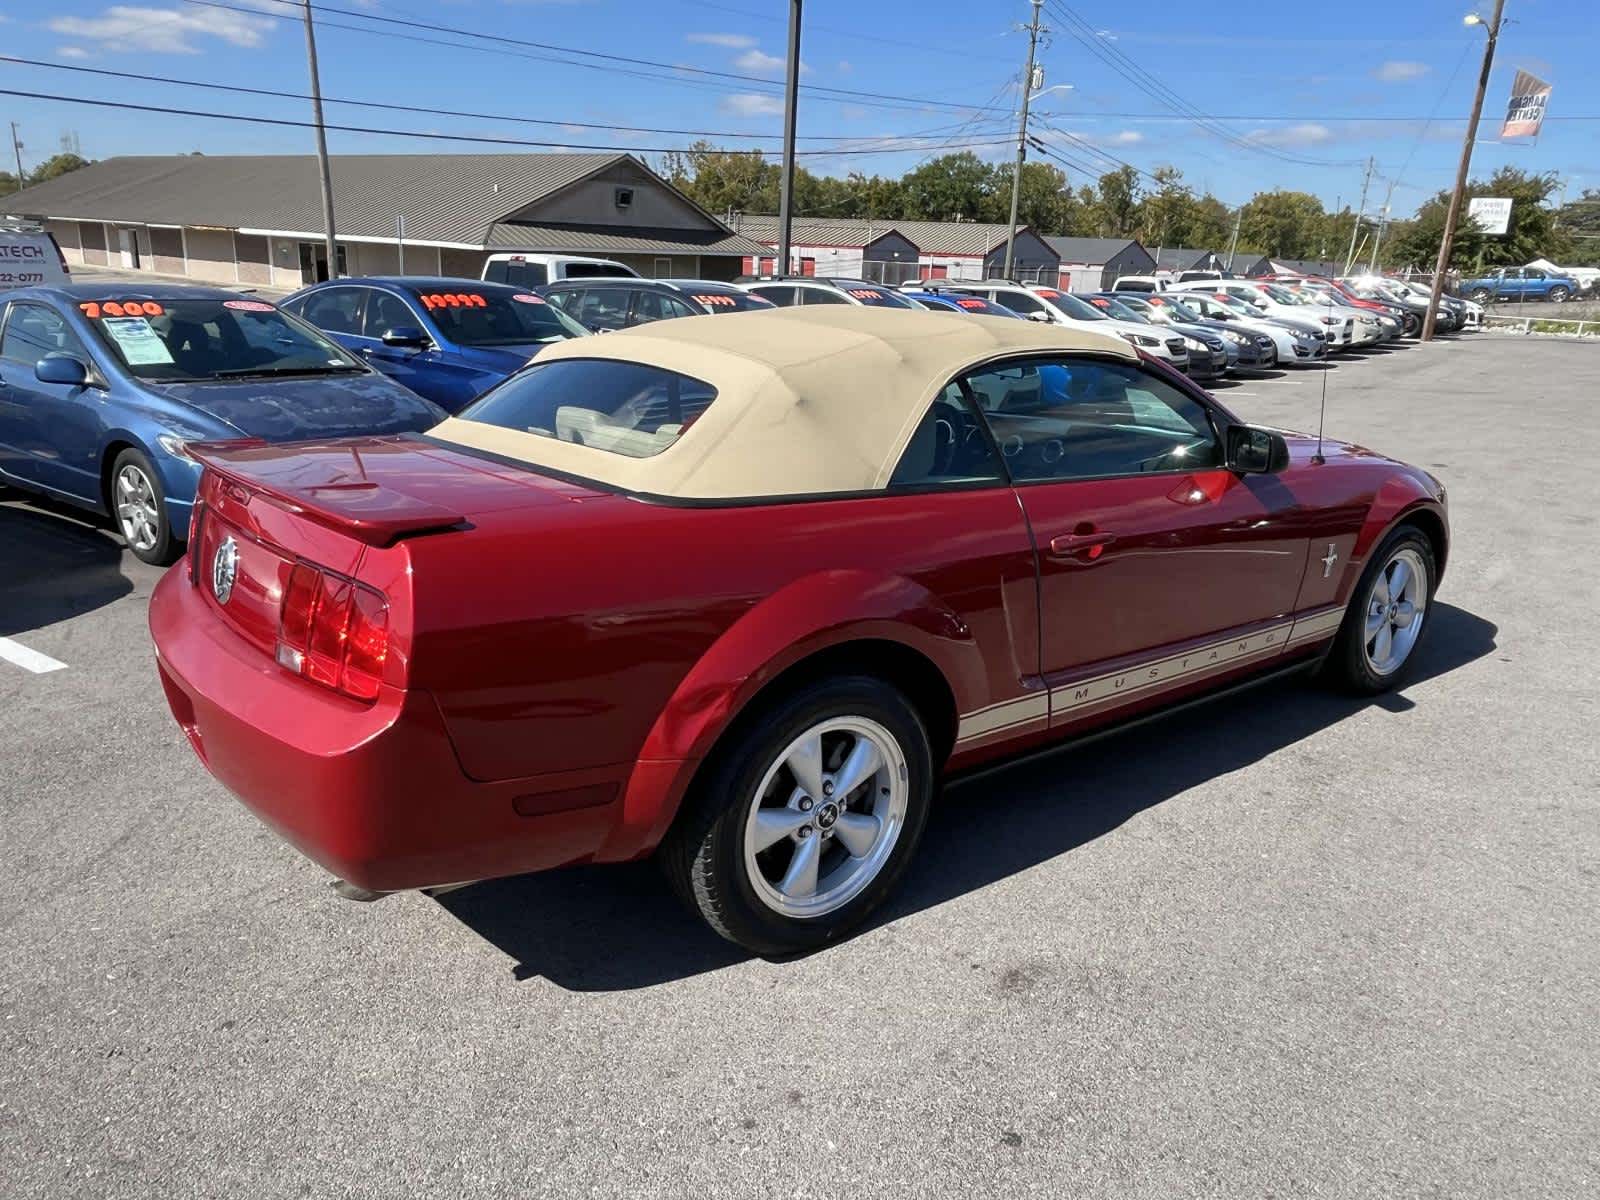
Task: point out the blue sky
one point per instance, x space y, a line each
1302 94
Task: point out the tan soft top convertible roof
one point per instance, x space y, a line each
809 400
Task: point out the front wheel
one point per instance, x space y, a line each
1384 623
806 820
1558 295
139 507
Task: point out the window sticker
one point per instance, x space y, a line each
973 303
454 300
521 298
247 305
138 342
714 299
95 309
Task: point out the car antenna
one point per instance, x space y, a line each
1322 410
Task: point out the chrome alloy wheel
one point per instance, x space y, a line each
1394 611
137 516
826 817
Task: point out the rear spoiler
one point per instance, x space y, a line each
347 502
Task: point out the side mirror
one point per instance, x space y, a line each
1253 451
61 369
405 337
1042 317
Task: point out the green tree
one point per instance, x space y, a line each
1579 220
718 180
952 187
56 166
1283 224
1115 206
1045 202
1534 230
8 183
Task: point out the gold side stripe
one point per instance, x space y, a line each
1175 669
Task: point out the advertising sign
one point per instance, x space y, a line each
1530 96
1492 213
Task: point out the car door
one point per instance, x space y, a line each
49 432
337 312
425 370
1535 284
1149 549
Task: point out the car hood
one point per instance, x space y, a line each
505 359
296 409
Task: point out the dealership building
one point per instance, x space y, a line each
258 219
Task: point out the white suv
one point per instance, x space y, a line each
536 270
1344 325
789 291
1051 305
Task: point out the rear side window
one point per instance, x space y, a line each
588 270
818 296
518 274
337 310
656 306
783 296
599 308
625 408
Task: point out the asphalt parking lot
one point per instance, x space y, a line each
1290 945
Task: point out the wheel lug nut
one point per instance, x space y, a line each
805 831
806 803
827 789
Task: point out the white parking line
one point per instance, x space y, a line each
28 660
1230 392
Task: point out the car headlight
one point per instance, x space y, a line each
1238 339
173 445
1329 320
1139 339
1195 345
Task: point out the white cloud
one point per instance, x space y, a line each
1307 133
845 66
733 41
751 104
1397 71
163 30
760 62
1125 137
71 52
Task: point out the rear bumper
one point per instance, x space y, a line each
373 794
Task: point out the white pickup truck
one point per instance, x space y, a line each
1585 277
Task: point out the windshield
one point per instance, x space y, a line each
496 316
199 340
983 306
733 300
1284 295
877 297
1075 308
1179 311
1120 310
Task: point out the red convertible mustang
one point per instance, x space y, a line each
738 590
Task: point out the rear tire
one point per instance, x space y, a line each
774 854
139 509
1387 615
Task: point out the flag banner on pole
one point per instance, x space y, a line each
1530 96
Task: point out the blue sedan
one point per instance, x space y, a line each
960 302
102 384
447 339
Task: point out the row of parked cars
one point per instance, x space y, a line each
102 386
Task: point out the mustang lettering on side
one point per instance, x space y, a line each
737 591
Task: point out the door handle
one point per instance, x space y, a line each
1081 547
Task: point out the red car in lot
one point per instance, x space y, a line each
738 590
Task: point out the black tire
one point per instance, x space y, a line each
1559 295
1348 666
1480 295
703 854
165 548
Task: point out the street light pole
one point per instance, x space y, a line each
1022 141
1453 213
322 145
791 99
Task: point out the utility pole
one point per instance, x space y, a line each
16 145
791 99
1233 243
1383 227
322 145
1355 226
1453 213
1022 140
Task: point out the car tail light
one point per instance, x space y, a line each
333 631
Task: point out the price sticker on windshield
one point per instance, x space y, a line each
97 309
972 302
247 305
529 298
1099 302
715 301
452 300
141 346
866 294
1048 294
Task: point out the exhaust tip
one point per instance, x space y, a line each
349 891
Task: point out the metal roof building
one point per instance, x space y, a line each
258 219
895 251
1088 264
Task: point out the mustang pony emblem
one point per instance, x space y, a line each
1328 559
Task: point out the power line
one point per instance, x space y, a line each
240 89
1119 62
481 139
624 63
